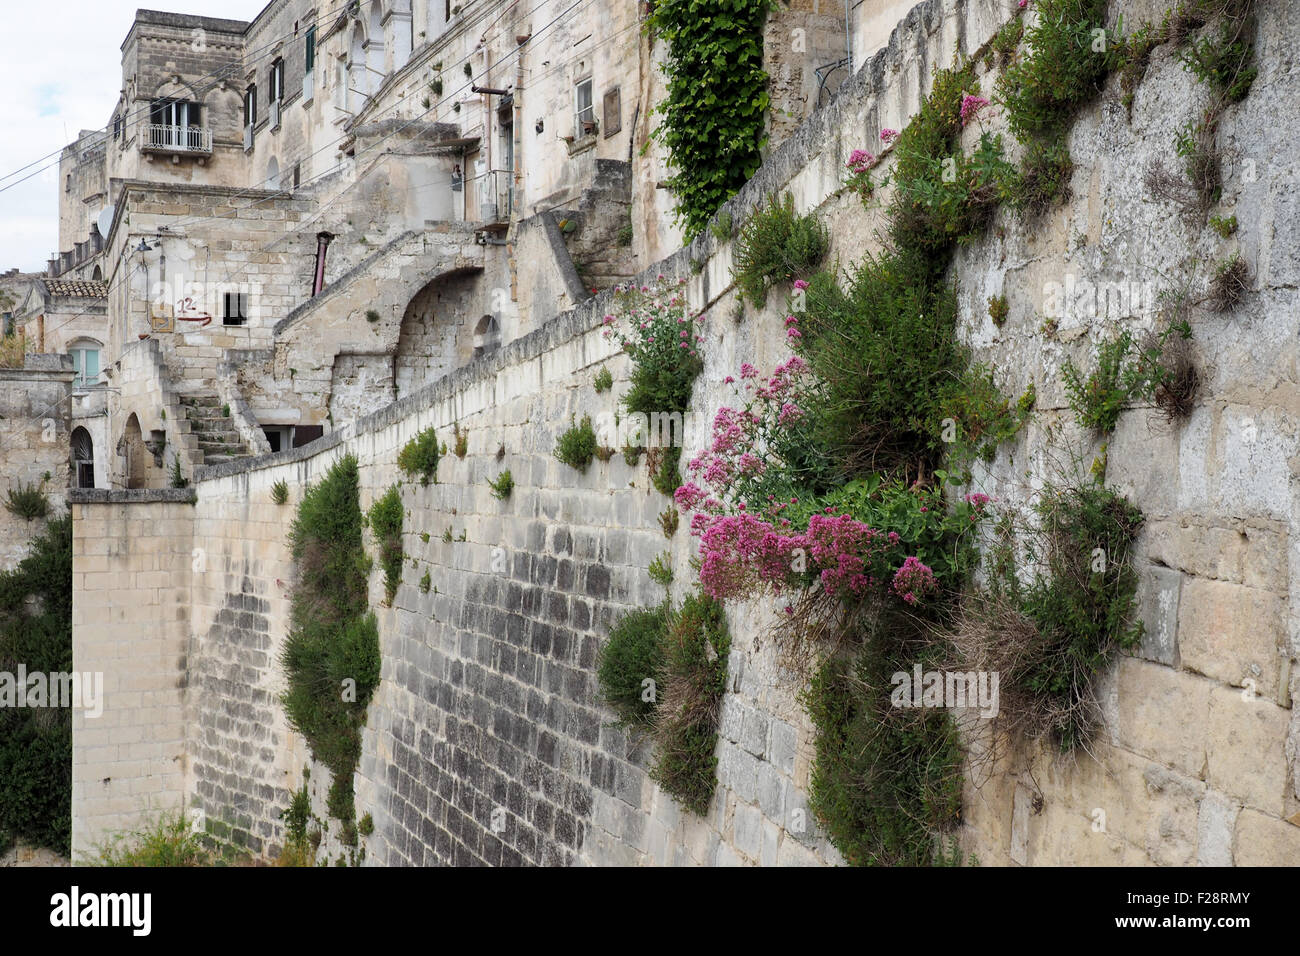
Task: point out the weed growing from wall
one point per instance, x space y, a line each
36 743
331 655
419 456
631 663
695 648
28 502
777 245
1049 639
576 447
385 520
502 485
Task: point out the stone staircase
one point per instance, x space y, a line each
208 430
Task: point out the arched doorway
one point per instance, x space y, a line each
487 336
273 174
137 455
83 458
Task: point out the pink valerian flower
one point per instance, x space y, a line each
978 500
748 371
914 581
970 105
860 161
1022 4
608 320
729 380
800 284
887 136
689 496
790 413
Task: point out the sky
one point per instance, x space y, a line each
62 73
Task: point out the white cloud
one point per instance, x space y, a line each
61 74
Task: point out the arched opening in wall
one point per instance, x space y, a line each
83 458
487 336
273 174
97 275
434 336
131 447
358 89
375 49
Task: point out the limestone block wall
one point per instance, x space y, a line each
486 741
35 415
130 614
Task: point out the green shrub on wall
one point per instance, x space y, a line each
419 456
695 649
36 743
714 114
385 519
777 245
331 656
631 664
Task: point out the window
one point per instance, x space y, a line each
277 81
117 126
83 458
297 175
174 113
235 308
85 365
583 107
311 49
250 105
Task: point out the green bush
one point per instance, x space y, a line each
419 456
502 485
425 583
576 447
1223 59
28 502
633 655
1082 604
887 354
695 649
1123 373
661 570
169 841
667 476
385 518
1062 69
296 816
280 492
604 381
36 744
331 655
777 245
885 780
653 325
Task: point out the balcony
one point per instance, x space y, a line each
191 140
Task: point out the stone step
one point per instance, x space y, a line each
217 458
223 447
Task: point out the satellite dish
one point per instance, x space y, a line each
105 221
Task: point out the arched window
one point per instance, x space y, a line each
83 458
98 274
375 49
487 336
273 174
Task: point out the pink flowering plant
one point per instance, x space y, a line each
859 165
767 521
662 337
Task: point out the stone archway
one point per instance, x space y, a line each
83 458
487 336
132 448
434 337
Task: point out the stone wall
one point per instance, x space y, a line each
486 741
35 411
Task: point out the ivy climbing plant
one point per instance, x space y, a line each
714 115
